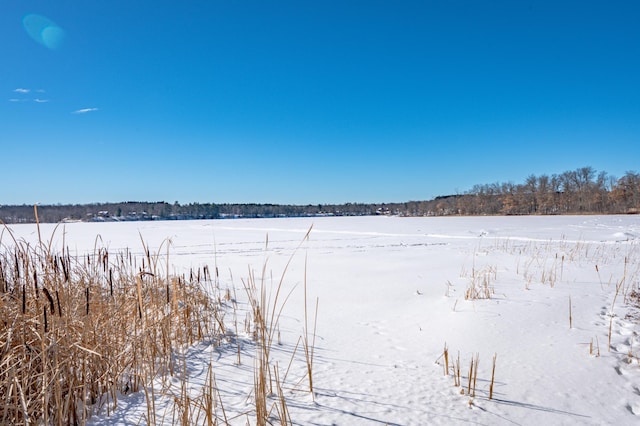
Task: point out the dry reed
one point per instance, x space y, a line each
79 330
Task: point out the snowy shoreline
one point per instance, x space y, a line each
391 294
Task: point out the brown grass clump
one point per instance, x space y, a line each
78 330
481 284
472 376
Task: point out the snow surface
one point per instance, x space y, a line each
391 293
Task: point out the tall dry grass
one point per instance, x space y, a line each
77 331
267 302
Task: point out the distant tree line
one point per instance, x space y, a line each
581 191
138 211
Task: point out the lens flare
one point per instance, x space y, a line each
43 30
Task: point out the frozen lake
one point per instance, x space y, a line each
393 291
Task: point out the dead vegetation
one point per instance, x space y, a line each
79 330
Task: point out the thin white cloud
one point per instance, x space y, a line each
14 100
84 110
20 90
40 101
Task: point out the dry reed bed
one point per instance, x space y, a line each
77 331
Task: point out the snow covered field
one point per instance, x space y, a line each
555 298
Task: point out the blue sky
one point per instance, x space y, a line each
310 101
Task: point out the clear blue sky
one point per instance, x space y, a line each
310 101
